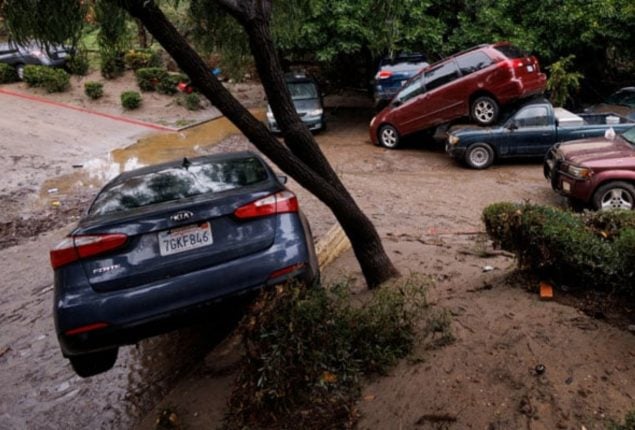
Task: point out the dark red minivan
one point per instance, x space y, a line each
474 83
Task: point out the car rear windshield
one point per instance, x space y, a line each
302 90
511 51
178 182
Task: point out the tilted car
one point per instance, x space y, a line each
530 132
307 100
598 171
161 243
19 56
473 83
393 73
621 102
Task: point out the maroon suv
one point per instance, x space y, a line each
599 171
474 83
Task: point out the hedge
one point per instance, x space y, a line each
54 80
7 74
594 249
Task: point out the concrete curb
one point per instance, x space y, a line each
330 246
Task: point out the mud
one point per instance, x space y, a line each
426 208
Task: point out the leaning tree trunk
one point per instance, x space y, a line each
142 37
319 178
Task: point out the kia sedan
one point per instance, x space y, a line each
162 244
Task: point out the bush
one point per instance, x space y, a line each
94 90
168 84
148 78
192 101
7 74
595 250
307 348
54 80
130 100
138 58
78 64
112 64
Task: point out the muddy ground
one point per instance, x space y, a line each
427 210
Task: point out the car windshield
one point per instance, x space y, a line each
629 135
302 90
413 88
625 98
174 183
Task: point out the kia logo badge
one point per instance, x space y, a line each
182 216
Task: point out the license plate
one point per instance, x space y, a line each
185 238
530 68
566 187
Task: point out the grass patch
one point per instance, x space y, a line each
308 349
629 423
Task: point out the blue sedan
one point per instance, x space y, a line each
163 243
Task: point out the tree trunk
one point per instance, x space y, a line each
142 36
319 178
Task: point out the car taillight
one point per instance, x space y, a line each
74 248
384 74
86 328
287 270
282 202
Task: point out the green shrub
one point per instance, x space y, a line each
139 58
306 350
595 250
78 64
192 101
112 64
52 79
94 90
168 84
130 100
7 74
148 78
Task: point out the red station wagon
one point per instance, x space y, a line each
474 83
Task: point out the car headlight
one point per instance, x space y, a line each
316 112
579 172
270 116
453 140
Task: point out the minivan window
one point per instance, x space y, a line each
413 88
473 62
174 183
440 75
511 51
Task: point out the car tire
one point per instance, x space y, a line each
93 363
479 156
484 110
388 136
19 70
614 195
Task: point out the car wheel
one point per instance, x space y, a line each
91 364
19 70
484 110
479 156
614 195
388 136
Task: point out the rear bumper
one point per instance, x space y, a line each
526 87
135 313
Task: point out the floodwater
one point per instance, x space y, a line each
38 388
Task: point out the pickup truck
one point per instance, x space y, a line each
598 171
529 132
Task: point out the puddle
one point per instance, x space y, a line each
90 176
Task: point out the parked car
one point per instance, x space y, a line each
19 56
162 243
621 102
393 73
307 100
474 83
529 132
598 171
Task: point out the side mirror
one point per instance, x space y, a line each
512 126
282 179
396 103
